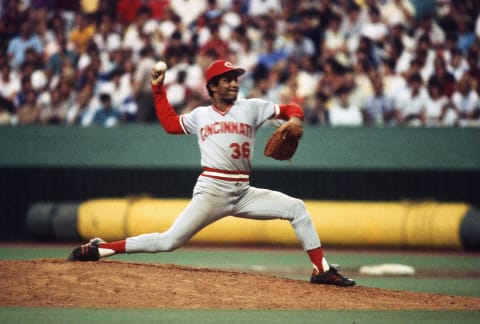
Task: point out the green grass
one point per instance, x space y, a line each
241 259
75 315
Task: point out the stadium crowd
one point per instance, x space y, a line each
346 62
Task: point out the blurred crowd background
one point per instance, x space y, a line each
346 62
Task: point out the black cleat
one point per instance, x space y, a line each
332 277
86 252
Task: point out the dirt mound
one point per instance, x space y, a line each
55 282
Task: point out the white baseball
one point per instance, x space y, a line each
161 66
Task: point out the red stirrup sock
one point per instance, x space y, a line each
319 262
118 246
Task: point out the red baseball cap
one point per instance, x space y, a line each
219 67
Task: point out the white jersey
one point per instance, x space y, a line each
226 138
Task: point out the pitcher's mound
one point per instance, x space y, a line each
55 282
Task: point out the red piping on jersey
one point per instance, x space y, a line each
221 112
228 175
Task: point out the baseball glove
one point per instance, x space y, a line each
283 143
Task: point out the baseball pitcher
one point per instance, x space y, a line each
225 133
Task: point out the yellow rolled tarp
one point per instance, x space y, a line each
403 224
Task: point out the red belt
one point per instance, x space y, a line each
226 174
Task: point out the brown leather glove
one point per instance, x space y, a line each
283 143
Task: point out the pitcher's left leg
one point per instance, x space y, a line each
267 204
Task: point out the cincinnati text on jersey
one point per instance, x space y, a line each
226 127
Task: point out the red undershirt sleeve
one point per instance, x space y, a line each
167 116
288 111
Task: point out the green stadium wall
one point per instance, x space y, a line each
69 164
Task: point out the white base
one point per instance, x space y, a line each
388 269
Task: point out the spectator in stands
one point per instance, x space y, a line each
82 110
107 115
106 38
375 29
331 78
438 110
442 77
12 18
120 90
474 67
54 111
39 19
215 43
25 87
358 80
352 26
393 83
466 102
428 26
271 55
29 113
242 45
188 10
212 16
466 35
410 109
457 65
63 57
282 85
307 77
379 108
426 55
318 114
9 83
334 44
397 12
6 117
170 23
141 86
264 7
81 34
300 46
134 34
175 49
342 113
178 92
18 46
234 14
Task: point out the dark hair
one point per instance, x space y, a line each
415 77
343 90
213 28
144 9
146 51
176 35
374 10
213 81
105 97
117 72
336 18
353 6
269 36
456 52
390 63
424 38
